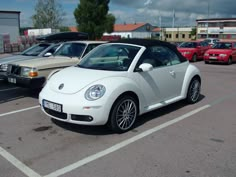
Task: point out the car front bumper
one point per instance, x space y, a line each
215 59
3 75
75 108
32 83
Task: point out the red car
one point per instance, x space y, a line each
221 52
193 50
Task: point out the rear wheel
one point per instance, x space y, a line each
193 91
194 57
123 114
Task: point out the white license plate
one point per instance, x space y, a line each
12 80
52 106
214 58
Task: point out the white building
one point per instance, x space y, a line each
222 28
10 24
136 30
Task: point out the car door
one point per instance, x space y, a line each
165 81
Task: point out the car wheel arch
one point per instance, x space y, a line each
129 93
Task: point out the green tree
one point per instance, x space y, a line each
48 14
194 32
92 17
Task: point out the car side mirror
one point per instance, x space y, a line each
145 67
48 54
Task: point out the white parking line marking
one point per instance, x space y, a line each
18 164
4 90
20 110
123 144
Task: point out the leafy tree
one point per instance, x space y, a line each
64 29
194 32
92 17
48 14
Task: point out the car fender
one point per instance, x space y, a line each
116 86
191 72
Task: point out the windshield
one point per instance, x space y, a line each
188 45
222 45
70 50
35 50
111 57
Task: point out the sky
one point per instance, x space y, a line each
156 12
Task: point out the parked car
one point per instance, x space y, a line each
211 41
221 52
47 46
118 81
193 50
33 73
44 49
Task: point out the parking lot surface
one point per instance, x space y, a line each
179 140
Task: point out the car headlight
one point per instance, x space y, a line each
3 67
29 72
223 55
95 92
206 54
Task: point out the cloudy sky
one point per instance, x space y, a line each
156 12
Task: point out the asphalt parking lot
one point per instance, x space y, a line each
176 141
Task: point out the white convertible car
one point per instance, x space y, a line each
119 81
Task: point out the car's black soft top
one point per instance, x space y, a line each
149 43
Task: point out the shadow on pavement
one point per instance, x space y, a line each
104 130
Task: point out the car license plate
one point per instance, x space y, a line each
214 58
12 80
52 106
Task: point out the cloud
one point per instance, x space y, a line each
186 12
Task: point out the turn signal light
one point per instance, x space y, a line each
33 74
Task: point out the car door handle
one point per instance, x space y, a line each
172 73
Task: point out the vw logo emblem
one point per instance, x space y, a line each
61 86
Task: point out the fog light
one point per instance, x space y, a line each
81 118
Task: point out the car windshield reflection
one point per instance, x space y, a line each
70 50
35 50
110 57
222 45
188 45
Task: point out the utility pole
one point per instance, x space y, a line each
208 9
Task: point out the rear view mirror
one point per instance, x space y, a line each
145 67
48 54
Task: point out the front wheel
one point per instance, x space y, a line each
193 91
123 114
229 61
194 57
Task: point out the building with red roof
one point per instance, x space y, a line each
135 30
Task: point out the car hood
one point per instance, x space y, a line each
15 58
219 51
75 79
49 62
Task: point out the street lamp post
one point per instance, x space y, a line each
208 7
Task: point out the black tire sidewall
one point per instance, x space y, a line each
188 98
112 123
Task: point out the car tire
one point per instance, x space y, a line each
229 61
206 62
123 114
194 57
193 91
